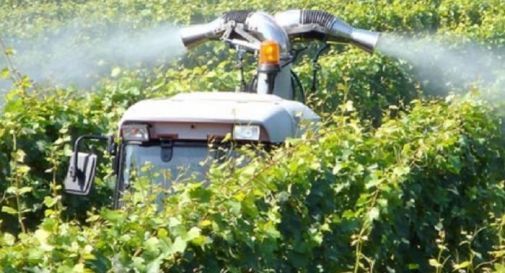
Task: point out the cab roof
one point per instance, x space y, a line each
279 117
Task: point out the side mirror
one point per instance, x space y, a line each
79 179
82 167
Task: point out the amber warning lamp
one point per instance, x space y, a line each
270 53
269 66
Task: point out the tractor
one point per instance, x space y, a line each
179 134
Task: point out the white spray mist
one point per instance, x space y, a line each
80 55
445 64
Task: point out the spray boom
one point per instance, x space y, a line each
247 30
297 24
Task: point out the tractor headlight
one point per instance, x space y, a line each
246 132
135 132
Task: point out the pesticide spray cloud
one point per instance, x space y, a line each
80 55
444 64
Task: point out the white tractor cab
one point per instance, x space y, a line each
178 134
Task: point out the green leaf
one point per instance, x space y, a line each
115 72
50 201
19 156
205 223
9 51
112 215
373 214
24 190
413 266
9 239
462 265
154 266
11 190
179 245
9 210
434 263
4 73
78 268
192 233
173 222
152 245
349 106
42 236
23 169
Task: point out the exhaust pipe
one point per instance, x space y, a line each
320 25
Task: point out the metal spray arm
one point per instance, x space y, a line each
297 24
246 30
321 25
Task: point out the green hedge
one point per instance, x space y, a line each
394 182
425 190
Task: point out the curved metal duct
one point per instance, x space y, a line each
313 24
253 28
260 24
265 28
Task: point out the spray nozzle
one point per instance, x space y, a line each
196 34
320 25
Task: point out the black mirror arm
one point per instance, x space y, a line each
74 170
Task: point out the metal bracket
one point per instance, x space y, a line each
239 29
249 42
167 150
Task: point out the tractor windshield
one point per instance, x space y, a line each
164 165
